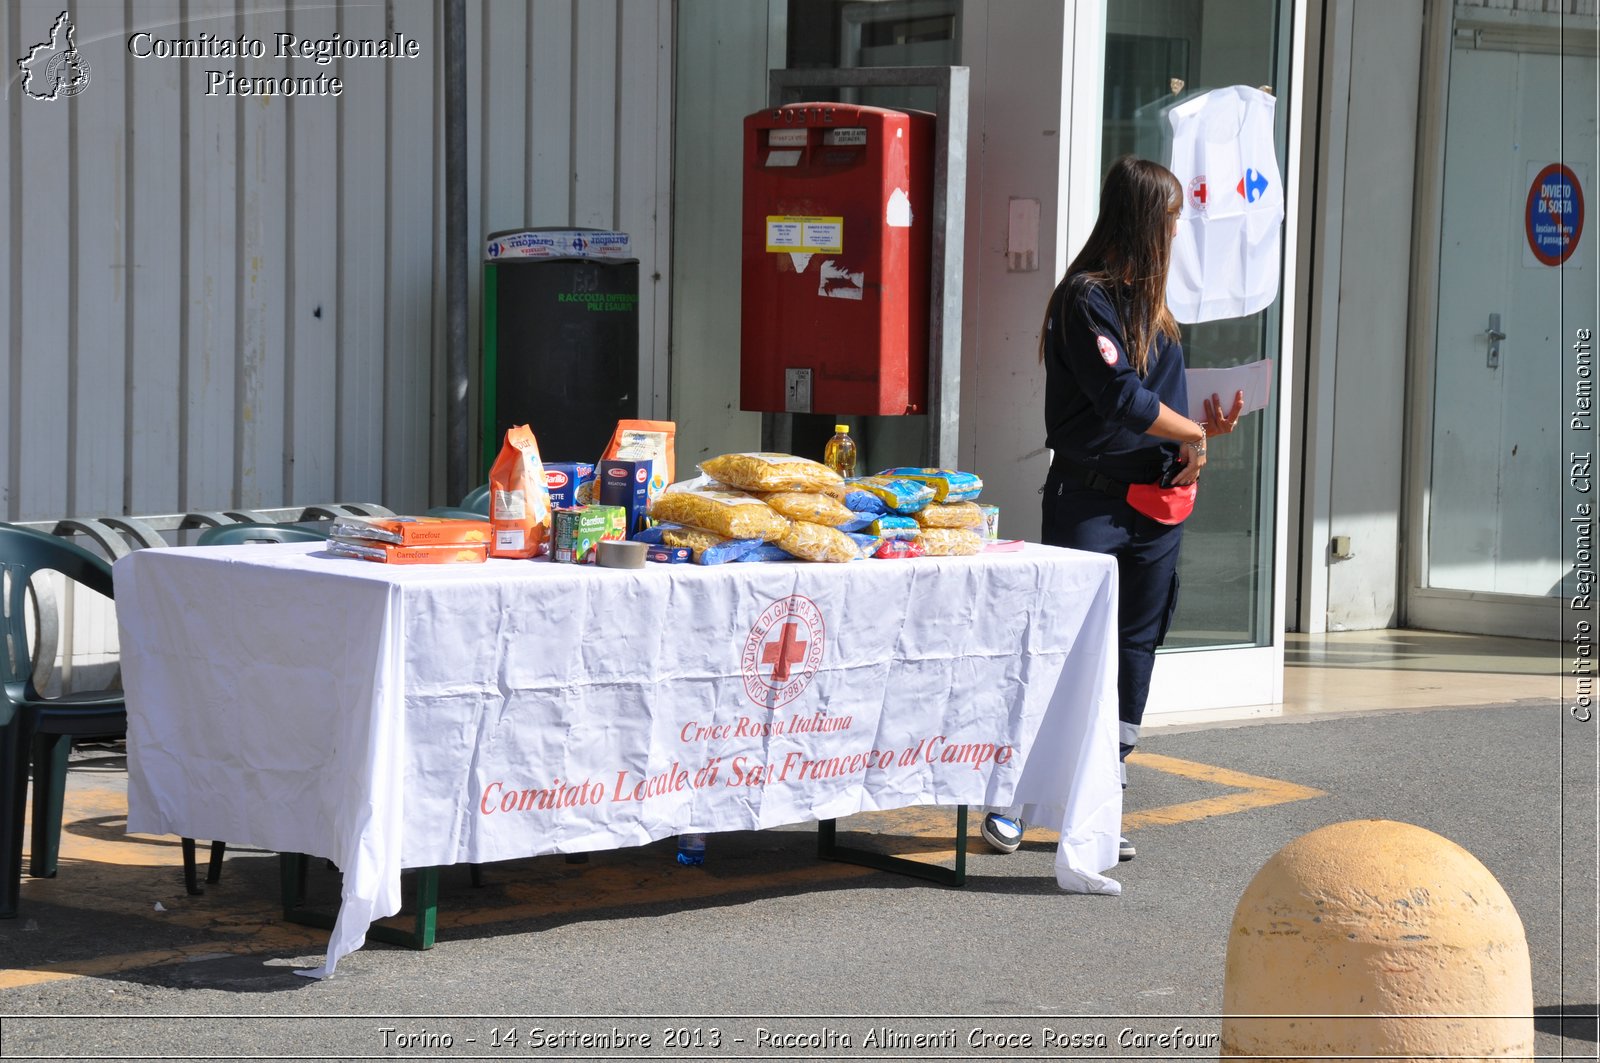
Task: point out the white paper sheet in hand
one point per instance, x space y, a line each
1252 378
1225 256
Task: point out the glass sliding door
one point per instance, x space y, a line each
1157 55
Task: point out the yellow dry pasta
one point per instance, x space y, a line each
727 513
814 506
816 542
950 515
771 472
950 542
696 540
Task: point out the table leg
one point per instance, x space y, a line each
292 883
828 848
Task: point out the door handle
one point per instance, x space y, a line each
1495 336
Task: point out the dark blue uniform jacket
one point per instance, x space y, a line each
1096 407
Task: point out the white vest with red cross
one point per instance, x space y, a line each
1225 259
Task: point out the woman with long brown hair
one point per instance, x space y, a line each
1125 458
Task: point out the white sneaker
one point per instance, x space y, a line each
1003 833
1125 849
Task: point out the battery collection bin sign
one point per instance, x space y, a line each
836 244
560 338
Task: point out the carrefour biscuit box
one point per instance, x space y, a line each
416 531
627 484
564 478
579 530
400 554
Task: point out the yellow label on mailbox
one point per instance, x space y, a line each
805 234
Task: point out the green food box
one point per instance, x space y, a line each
579 530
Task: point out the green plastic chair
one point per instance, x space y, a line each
235 534
477 500
35 728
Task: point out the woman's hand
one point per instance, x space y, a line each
1192 456
1216 423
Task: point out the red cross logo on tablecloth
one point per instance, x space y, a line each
783 651
788 650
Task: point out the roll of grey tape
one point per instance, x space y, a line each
615 553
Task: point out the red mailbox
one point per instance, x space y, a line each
838 229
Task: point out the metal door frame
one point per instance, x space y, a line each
1421 606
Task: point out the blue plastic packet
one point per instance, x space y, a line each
895 528
652 534
767 552
868 543
863 501
900 495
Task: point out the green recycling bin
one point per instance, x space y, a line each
560 338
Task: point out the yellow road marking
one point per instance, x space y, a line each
1257 791
92 848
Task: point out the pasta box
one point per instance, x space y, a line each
627 484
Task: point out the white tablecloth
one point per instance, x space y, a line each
388 717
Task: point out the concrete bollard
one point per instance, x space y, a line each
1359 933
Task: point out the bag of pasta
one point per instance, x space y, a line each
950 515
731 514
813 506
950 542
902 496
948 485
706 548
817 542
519 498
773 472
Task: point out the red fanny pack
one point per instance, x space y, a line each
1168 505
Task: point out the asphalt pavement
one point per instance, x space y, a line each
768 953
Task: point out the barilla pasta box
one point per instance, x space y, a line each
627 484
415 531
670 555
400 554
565 478
580 529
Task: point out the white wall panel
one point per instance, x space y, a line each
549 108
594 108
311 248
97 366
40 401
10 251
364 124
644 179
1369 389
210 271
154 113
264 222
723 58
216 301
412 147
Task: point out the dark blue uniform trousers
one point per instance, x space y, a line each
1146 550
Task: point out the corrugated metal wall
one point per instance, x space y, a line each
211 301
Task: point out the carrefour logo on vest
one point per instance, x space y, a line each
1252 186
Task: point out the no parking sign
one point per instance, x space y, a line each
1553 215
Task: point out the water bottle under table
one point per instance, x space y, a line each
691 849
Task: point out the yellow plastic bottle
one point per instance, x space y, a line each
840 453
